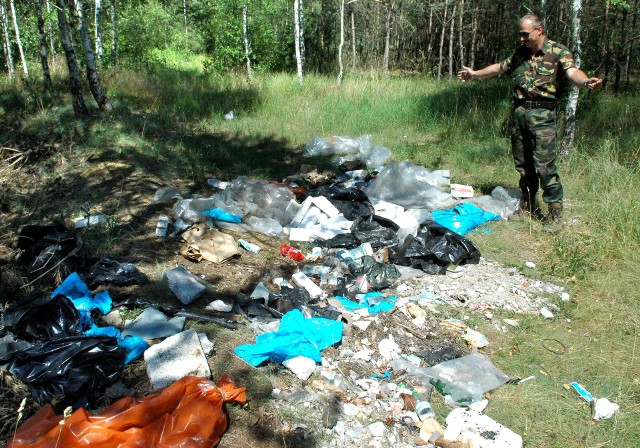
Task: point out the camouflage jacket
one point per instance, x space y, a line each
537 76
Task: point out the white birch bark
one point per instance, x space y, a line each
6 42
114 34
245 33
572 103
387 41
79 106
451 39
341 42
44 57
460 33
98 30
92 72
25 66
51 38
297 39
444 27
353 40
184 12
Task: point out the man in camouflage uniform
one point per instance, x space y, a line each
536 68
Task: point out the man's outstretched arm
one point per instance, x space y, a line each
468 74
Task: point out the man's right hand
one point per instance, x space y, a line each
466 74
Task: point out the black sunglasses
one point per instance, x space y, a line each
525 34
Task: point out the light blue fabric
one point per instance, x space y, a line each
386 304
463 218
296 336
221 215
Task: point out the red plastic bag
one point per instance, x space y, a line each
187 414
291 252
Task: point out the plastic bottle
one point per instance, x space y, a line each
249 246
162 226
424 410
291 252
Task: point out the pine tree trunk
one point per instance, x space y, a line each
353 40
341 42
297 39
387 39
89 57
25 66
451 39
44 59
79 107
98 30
246 39
572 103
114 41
440 54
6 42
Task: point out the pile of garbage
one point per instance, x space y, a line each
380 251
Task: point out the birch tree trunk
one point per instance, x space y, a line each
25 67
630 52
246 38
184 12
572 103
114 34
341 42
451 39
353 40
543 12
430 29
89 57
440 54
460 33
301 30
46 75
79 107
474 35
98 30
6 42
387 39
297 39
51 34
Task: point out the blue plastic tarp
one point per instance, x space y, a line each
463 218
371 301
221 215
296 336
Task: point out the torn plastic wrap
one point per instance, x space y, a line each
463 218
379 275
410 186
434 248
187 414
71 371
110 271
296 336
374 302
348 149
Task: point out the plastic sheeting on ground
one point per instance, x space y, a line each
187 414
434 248
296 336
463 218
109 271
374 302
348 149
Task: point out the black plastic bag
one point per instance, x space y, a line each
110 271
351 202
379 275
288 299
41 318
434 248
44 246
71 371
379 232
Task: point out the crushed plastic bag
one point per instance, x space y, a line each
360 148
502 202
69 371
187 414
351 202
434 248
296 336
110 271
466 378
43 247
379 275
374 302
463 218
410 186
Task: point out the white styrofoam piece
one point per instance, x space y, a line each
301 279
326 206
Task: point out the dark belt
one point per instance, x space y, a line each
551 105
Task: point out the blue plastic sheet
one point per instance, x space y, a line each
370 301
134 346
463 218
296 336
221 215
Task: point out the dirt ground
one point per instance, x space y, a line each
115 188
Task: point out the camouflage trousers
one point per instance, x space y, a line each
533 145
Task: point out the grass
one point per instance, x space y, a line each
170 126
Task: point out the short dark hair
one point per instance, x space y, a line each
534 19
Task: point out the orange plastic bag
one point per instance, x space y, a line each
187 414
